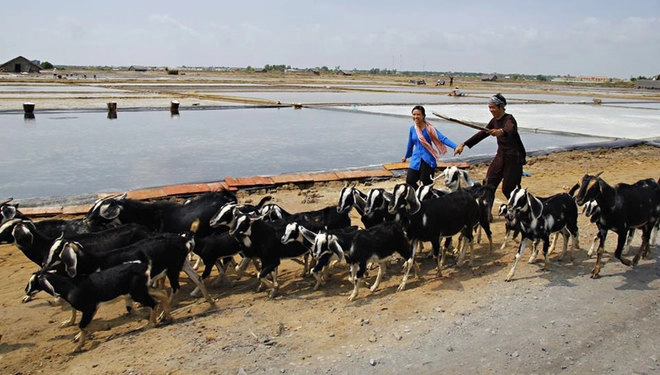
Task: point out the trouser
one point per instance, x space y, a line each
506 169
424 174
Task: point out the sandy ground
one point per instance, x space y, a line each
468 321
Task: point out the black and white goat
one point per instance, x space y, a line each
324 218
85 293
512 231
437 218
49 227
536 219
261 240
376 209
455 179
622 207
375 244
349 197
371 207
168 253
314 241
37 246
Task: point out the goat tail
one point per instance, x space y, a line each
194 226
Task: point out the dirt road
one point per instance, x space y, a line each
468 321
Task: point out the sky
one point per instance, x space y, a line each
561 37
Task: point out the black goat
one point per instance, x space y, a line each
85 293
161 216
168 253
377 243
536 219
622 207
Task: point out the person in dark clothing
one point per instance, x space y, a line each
507 166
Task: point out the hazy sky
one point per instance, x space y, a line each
600 37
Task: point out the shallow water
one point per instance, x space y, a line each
72 152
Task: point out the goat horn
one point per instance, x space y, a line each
7 201
598 174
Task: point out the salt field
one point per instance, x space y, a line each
69 152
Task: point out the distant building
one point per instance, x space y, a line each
20 65
138 68
343 73
489 77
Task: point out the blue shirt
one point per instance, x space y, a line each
417 152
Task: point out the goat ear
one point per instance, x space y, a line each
535 205
110 211
387 195
70 259
413 201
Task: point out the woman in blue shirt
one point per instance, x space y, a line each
422 138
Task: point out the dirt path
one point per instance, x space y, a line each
468 321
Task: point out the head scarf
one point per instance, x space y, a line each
497 100
434 139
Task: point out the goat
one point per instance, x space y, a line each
456 178
161 216
622 207
37 245
512 230
168 253
377 243
483 195
350 196
85 293
536 219
592 211
375 211
437 218
261 240
315 220
312 240
214 247
49 227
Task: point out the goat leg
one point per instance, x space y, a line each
81 337
523 244
197 279
356 281
595 272
382 267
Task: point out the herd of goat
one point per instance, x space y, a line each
126 247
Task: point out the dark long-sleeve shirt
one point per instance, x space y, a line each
509 143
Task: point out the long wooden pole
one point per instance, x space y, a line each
466 123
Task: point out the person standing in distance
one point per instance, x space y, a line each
422 138
507 165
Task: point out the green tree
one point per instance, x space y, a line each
46 65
